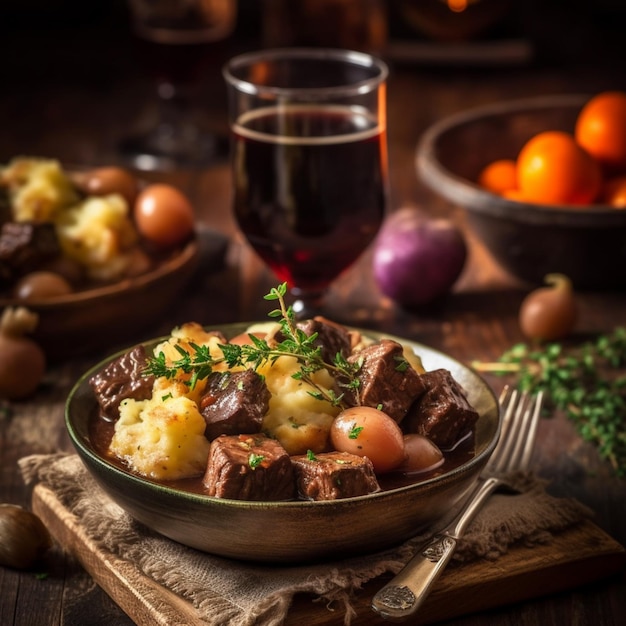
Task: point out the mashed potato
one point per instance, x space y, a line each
162 438
183 337
98 233
298 420
39 189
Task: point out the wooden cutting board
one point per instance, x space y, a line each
575 557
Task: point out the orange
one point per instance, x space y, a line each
614 192
601 129
499 176
553 169
514 194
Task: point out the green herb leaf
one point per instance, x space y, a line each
255 460
587 382
401 364
355 431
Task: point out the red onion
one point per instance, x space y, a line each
417 259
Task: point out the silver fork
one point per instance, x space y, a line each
406 592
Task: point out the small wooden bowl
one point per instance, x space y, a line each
529 240
107 316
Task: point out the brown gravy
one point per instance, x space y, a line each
101 432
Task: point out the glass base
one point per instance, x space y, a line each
167 147
307 305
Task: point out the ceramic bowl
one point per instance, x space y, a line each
529 240
93 319
296 531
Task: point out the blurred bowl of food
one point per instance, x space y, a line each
96 254
235 508
555 213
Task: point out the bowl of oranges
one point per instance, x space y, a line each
542 181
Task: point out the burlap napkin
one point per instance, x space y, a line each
231 593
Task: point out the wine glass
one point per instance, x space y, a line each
176 40
309 161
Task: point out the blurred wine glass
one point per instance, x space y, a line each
309 161
176 39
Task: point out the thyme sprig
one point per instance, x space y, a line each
200 363
586 381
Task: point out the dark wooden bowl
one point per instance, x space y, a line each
588 244
95 319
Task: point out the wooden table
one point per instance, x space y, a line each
79 111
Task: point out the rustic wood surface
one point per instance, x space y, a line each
579 556
71 88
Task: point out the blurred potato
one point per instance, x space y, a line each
99 234
39 190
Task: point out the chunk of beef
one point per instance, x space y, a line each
234 402
249 467
443 413
332 338
334 475
24 246
387 379
121 379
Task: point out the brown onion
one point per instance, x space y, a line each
103 181
549 313
41 285
22 361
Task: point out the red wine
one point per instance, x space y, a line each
310 188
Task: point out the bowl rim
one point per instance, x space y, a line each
86 451
468 194
179 259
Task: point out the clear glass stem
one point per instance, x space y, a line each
175 139
307 304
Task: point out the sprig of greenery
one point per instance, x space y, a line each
200 363
587 382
